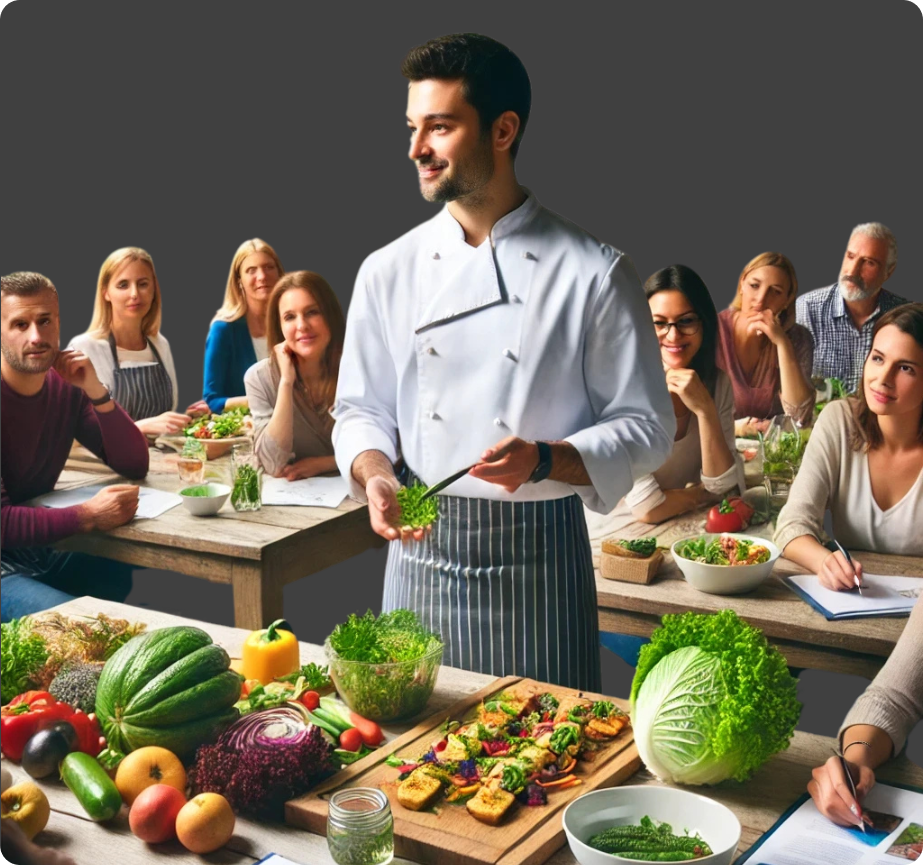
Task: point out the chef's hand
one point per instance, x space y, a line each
830 790
385 512
508 464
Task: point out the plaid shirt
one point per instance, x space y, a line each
840 348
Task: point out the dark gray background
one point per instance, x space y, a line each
693 132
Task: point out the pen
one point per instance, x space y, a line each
852 786
845 552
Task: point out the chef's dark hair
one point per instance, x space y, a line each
678 277
494 79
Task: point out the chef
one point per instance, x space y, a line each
500 334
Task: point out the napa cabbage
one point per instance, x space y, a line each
711 699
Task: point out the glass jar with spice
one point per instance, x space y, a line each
246 478
360 828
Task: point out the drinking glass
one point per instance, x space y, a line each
191 462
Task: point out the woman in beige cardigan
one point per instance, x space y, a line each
864 462
291 392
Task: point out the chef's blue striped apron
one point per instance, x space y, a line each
143 391
509 586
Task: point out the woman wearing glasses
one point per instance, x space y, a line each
704 464
767 356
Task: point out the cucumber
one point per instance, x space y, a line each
94 789
195 668
222 689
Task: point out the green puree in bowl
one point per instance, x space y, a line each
197 492
650 842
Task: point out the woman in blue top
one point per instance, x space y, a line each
237 336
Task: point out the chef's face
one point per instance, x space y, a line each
679 343
303 325
131 292
258 274
30 331
453 155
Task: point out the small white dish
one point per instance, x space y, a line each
599 810
726 579
207 505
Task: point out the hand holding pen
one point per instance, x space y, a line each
838 788
840 571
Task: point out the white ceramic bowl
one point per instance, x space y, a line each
614 806
726 579
206 506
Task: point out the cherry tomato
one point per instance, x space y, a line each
311 699
351 739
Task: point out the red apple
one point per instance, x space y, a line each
153 813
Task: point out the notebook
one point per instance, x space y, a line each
881 596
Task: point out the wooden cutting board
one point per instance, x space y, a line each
449 835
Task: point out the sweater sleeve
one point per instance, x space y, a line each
803 345
894 700
114 438
218 353
734 476
262 402
26 526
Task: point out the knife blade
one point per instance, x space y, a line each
436 488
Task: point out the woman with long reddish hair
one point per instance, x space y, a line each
864 462
767 356
292 391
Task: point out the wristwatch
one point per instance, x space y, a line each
102 400
543 469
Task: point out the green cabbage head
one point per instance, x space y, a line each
711 699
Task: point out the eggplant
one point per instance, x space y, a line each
47 748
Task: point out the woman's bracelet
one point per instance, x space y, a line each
857 742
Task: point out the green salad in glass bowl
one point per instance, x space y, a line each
384 668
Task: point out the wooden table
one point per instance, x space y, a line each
257 553
807 639
757 804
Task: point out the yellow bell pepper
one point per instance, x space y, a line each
270 653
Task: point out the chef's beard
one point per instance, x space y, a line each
854 288
471 175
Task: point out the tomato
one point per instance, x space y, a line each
732 515
311 699
351 739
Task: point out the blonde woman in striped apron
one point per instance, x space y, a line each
130 354
499 334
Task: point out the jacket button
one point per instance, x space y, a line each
516 299
430 350
433 416
498 422
436 256
508 352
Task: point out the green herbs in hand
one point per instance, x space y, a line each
415 513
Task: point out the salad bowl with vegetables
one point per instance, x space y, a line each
725 564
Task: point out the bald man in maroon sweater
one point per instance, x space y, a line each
48 398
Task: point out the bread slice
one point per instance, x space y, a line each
418 790
489 805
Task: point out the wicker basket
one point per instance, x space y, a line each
629 570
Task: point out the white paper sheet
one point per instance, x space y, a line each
880 594
309 492
809 838
151 503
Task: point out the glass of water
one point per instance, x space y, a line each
191 462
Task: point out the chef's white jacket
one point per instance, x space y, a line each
540 332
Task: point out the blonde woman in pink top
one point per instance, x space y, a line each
766 355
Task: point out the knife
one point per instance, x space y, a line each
845 552
437 488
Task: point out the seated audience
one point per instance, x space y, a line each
126 347
767 356
864 462
49 399
876 727
237 336
703 465
842 316
291 392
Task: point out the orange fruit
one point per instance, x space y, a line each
205 823
27 805
148 766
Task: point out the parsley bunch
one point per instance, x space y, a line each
414 512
